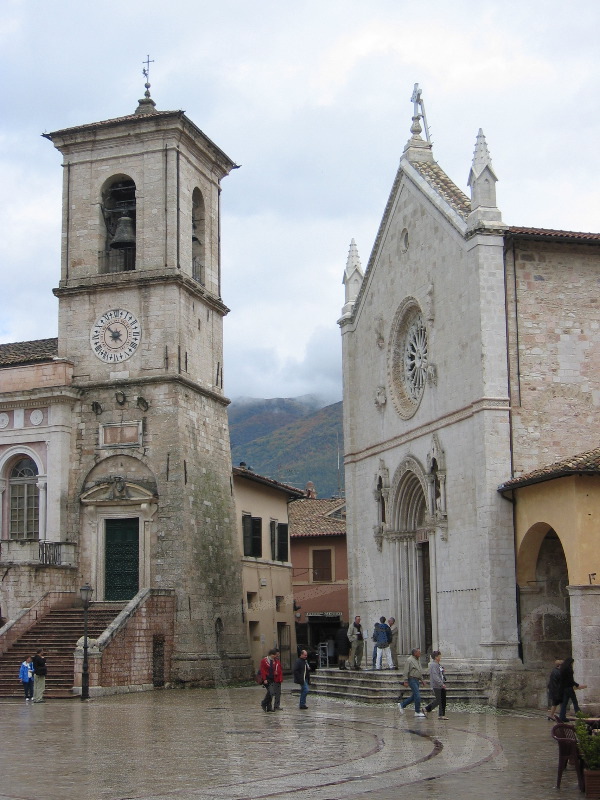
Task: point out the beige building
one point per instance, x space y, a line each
557 509
263 532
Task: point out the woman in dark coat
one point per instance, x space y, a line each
343 646
568 684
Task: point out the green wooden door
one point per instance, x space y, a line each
121 565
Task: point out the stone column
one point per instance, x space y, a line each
404 628
2 488
585 638
41 485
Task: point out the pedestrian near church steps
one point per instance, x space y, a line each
342 644
394 644
383 641
437 681
26 678
414 680
568 684
39 676
302 677
554 690
272 677
357 643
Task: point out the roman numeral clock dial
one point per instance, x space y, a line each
115 336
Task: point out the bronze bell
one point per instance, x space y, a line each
124 234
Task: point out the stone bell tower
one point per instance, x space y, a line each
141 318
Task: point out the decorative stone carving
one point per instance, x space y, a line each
380 397
4 420
379 332
36 417
436 481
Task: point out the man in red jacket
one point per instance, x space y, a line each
272 678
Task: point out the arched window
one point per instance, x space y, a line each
119 212
198 237
24 500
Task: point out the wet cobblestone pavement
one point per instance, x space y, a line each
219 745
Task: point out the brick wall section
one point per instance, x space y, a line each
554 347
125 657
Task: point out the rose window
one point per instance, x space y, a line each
408 358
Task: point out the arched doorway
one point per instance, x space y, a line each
409 536
545 619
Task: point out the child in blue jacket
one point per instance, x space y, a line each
26 678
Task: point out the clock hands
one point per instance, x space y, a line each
115 335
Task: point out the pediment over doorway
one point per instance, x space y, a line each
117 490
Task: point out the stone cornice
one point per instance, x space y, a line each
483 404
35 398
146 381
137 279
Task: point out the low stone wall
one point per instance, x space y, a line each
23 581
28 617
135 652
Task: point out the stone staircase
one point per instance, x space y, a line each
57 632
385 686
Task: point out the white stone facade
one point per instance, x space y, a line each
471 354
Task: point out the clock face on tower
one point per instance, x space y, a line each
115 335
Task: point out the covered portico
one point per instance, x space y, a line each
557 509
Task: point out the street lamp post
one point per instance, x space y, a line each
86 596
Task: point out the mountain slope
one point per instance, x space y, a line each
304 448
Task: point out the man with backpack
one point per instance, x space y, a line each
384 639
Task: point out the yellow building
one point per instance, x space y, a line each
556 512
268 604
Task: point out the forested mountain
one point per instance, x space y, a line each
292 440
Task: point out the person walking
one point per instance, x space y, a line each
357 643
414 679
374 638
26 678
302 677
272 678
394 642
39 676
568 684
554 690
437 681
384 638
342 644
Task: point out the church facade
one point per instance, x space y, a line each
470 356
115 464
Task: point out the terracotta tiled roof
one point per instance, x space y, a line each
312 517
548 233
16 353
244 472
583 464
437 178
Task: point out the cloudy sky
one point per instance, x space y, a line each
312 98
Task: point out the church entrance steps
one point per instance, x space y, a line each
57 632
385 686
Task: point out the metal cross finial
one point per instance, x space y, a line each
146 74
419 108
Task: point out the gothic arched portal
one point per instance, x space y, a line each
411 558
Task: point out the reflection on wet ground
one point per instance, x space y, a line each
218 744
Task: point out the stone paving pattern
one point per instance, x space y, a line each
217 744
